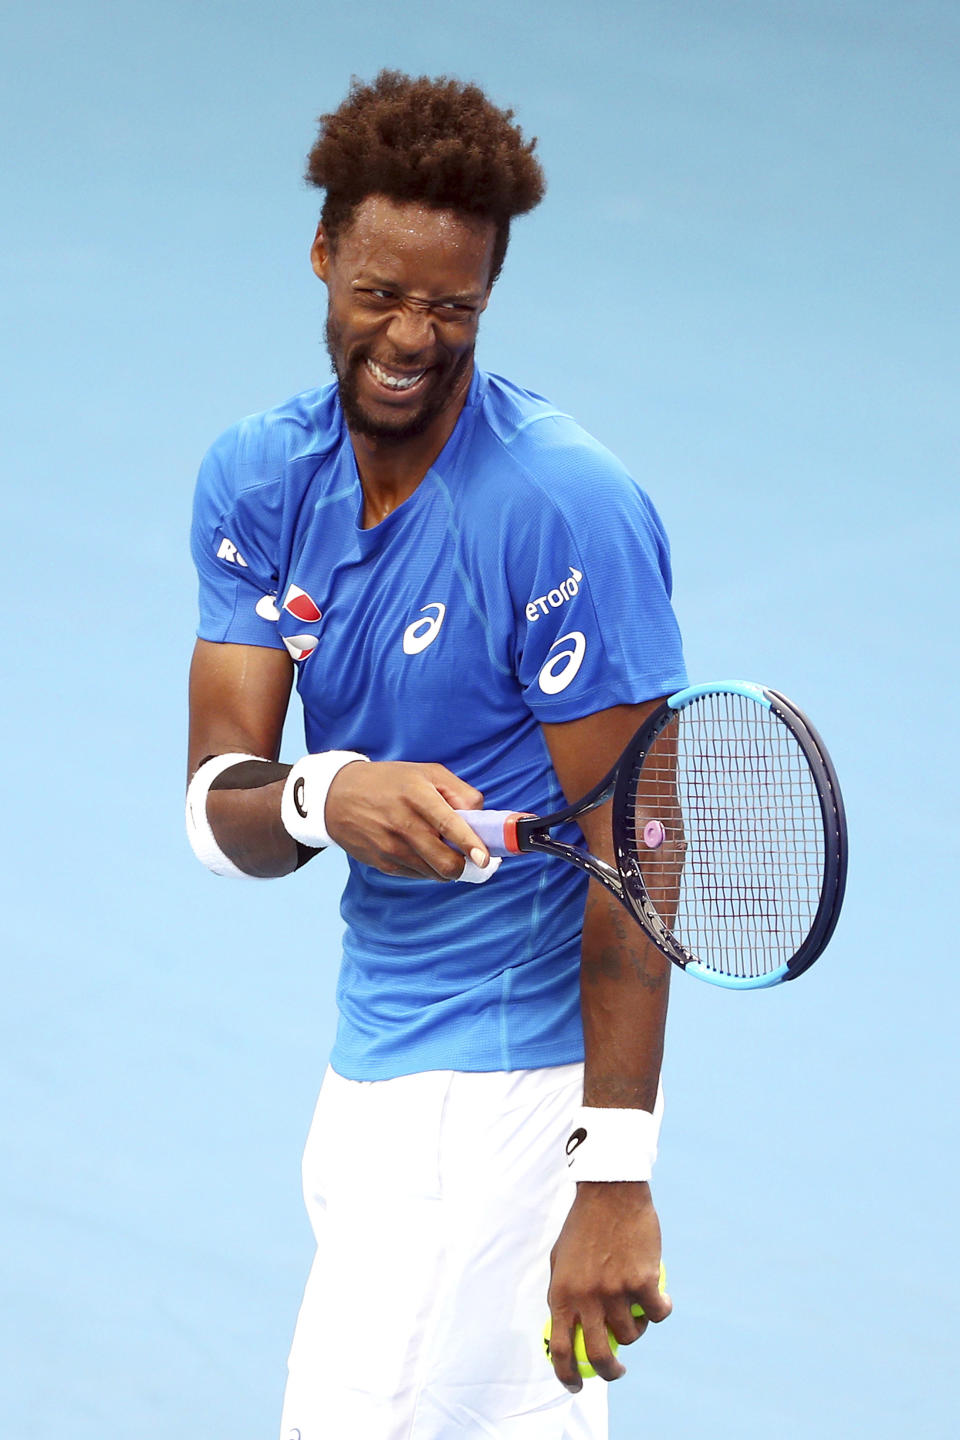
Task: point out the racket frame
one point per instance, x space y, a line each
625 880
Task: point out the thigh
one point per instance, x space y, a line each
435 1200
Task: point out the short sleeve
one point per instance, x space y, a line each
233 540
595 624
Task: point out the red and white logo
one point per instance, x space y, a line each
299 603
266 607
300 646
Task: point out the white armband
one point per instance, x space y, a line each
614 1144
304 797
203 842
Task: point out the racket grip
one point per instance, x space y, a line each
496 828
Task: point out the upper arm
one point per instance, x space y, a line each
238 700
589 577
584 750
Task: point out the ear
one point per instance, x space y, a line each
320 255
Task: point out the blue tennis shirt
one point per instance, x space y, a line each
526 579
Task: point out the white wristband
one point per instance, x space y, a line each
614 1144
304 795
203 842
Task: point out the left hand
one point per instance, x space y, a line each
606 1259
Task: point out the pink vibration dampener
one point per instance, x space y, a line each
653 834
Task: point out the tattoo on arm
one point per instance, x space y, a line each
608 965
626 948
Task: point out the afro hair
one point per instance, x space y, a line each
437 141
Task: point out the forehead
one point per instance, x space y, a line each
418 247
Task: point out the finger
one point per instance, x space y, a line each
392 861
415 846
596 1344
429 804
561 1352
653 1304
625 1324
455 831
404 872
459 794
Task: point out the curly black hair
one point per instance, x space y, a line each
438 141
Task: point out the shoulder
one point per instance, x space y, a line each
261 449
541 460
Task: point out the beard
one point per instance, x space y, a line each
360 421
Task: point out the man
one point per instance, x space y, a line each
473 596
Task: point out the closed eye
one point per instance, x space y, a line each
447 310
457 309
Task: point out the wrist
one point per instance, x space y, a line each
608 1144
304 799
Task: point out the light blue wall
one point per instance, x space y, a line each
744 280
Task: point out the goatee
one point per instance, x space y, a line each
359 421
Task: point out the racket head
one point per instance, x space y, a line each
746 887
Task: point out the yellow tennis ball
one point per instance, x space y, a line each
579 1348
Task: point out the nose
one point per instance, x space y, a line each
410 331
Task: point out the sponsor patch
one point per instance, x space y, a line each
559 595
300 604
229 552
300 646
266 607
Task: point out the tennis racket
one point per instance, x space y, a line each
728 831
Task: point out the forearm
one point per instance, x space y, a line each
259 818
624 987
247 826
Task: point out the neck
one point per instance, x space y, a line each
390 470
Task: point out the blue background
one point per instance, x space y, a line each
743 280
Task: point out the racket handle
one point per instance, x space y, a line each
496 828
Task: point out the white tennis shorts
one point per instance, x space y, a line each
435 1200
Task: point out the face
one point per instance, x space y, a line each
406 287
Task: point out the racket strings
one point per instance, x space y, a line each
738 879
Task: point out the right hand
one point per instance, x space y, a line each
400 817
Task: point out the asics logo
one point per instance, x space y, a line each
559 669
423 632
574 1143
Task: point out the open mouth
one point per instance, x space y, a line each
397 382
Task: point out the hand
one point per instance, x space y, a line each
400 818
606 1258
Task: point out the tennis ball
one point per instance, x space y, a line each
579 1348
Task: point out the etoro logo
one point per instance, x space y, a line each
557 672
423 632
556 597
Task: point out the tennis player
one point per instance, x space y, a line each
473 598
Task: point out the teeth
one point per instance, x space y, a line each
393 382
